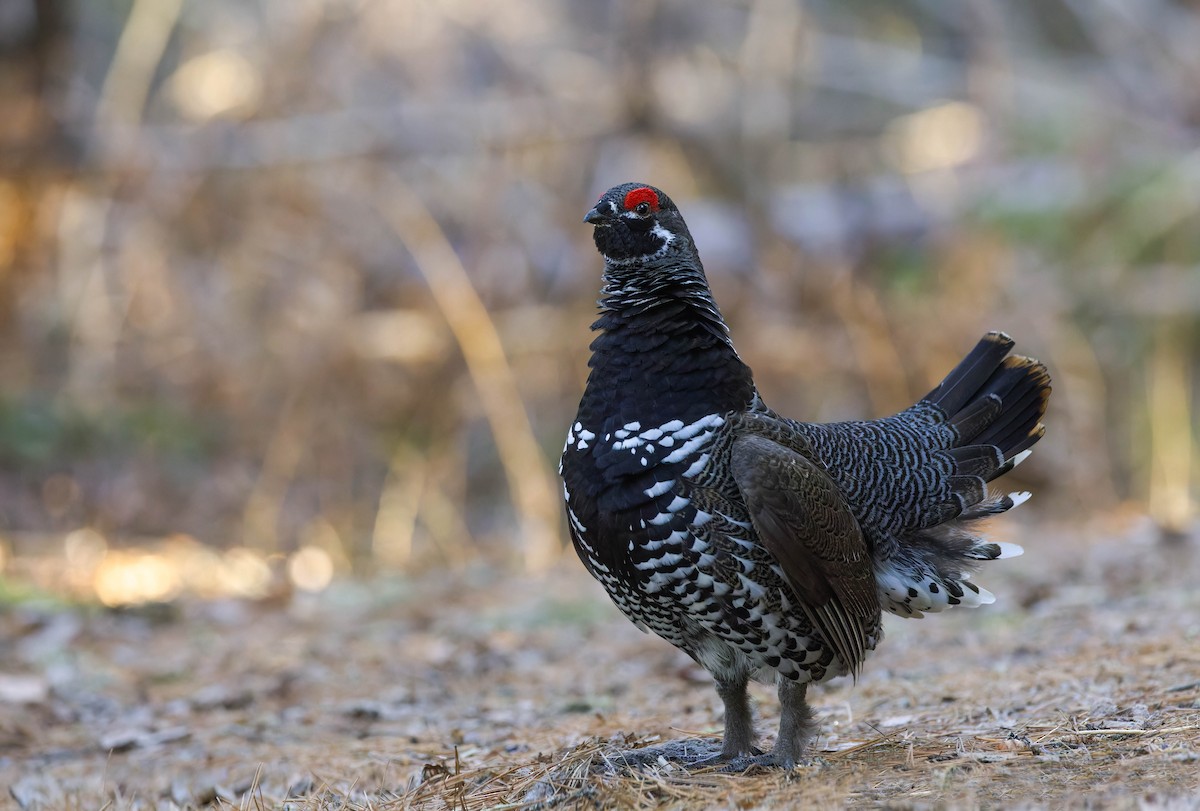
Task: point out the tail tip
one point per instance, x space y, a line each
982 595
1022 456
1000 337
1009 550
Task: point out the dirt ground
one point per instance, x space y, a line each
1080 688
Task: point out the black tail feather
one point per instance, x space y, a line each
991 506
1028 442
977 416
968 490
984 461
963 383
1013 425
1023 408
992 398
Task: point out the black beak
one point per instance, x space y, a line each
595 217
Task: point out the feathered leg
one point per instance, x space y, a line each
797 725
739 722
737 744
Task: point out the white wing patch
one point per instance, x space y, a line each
678 441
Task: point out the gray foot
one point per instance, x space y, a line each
768 760
724 758
687 752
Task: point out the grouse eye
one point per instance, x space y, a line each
641 201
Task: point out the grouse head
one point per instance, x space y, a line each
637 224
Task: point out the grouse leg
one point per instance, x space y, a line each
739 723
797 726
737 744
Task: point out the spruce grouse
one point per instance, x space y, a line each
763 547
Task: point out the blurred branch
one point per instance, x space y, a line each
529 481
260 523
1084 401
399 504
1171 430
139 51
915 79
95 310
1148 212
454 126
874 346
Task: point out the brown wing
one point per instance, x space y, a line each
804 522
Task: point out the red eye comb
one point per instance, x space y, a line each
643 195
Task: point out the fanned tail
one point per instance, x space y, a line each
994 403
992 398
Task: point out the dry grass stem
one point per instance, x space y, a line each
528 476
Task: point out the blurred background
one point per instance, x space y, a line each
292 289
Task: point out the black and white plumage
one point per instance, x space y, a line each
764 547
